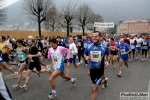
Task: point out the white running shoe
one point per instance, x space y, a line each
73 80
52 95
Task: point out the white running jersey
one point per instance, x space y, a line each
73 48
132 43
139 41
57 58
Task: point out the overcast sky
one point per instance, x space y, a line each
9 2
112 10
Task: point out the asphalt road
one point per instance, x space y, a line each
135 79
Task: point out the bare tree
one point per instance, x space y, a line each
68 12
38 10
2 12
96 18
53 20
83 15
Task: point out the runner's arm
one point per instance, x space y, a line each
64 50
9 47
49 54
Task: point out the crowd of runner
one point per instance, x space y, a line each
96 52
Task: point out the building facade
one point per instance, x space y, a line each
133 27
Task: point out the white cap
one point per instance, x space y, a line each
30 37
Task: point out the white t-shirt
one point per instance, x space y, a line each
73 48
139 41
131 43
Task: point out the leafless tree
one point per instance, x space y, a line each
83 15
38 10
53 20
2 12
96 18
68 12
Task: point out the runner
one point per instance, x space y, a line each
124 51
56 53
138 46
73 56
85 45
95 54
22 55
149 45
113 52
34 62
6 49
133 43
3 64
4 91
144 46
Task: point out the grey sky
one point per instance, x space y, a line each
111 10
116 10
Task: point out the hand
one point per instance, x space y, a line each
125 53
106 65
30 56
87 58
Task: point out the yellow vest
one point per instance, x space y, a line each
2 48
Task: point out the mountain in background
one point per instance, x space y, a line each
111 10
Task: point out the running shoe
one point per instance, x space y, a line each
86 65
142 59
38 74
16 86
49 71
16 74
73 80
119 74
106 82
52 95
127 65
130 59
24 87
103 86
113 67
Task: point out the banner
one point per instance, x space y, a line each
104 25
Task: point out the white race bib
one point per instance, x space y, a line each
122 51
85 45
95 56
112 47
20 57
79 44
55 60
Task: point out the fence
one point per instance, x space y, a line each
24 34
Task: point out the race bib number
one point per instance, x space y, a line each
20 57
122 51
79 44
55 60
112 47
95 56
71 55
85 45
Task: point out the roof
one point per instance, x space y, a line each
135 21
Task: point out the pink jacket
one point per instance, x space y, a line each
62 50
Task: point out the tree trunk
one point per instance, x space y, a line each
83 30
53 27
68 27
39 26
